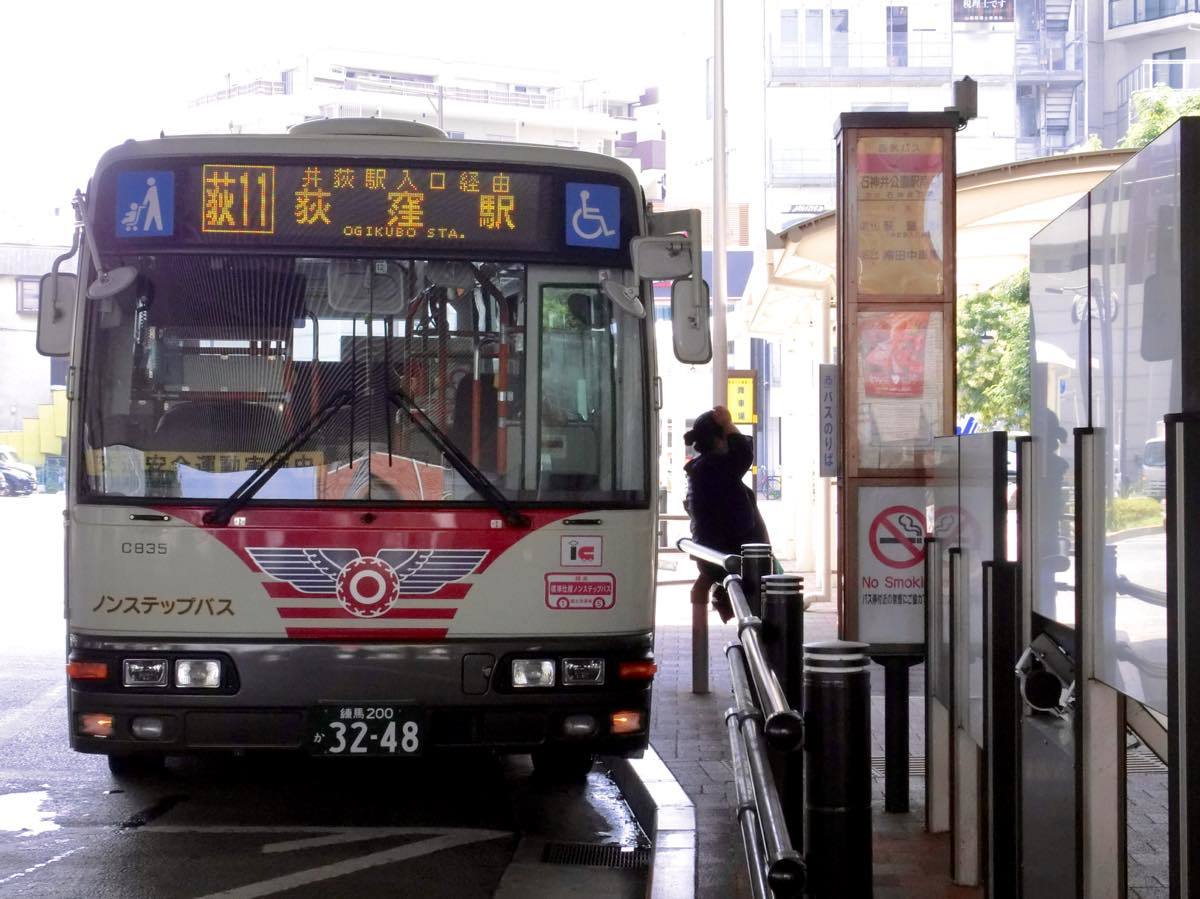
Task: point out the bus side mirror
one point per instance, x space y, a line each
690 332
57 296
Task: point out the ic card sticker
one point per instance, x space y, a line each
567 591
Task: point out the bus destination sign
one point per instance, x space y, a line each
320 203
367 204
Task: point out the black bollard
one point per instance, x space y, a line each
837 769
780 594
783 636
756 564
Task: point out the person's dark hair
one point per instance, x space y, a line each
704 433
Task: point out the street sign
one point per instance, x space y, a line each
891 577
740 397
829 423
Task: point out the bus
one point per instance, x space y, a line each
362 445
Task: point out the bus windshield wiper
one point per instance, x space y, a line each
462 464
222 513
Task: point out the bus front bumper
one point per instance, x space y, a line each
282 696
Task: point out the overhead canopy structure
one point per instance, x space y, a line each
999 210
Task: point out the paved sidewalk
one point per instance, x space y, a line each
688 732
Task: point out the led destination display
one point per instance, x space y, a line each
262 204
368 204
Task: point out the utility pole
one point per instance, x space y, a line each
720 341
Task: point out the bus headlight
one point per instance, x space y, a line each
145 673
533 672
198 673
583 671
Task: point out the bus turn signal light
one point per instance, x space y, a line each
96 725
87 670
637 670
626 722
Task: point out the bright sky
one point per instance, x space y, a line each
84 76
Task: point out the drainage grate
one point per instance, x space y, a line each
916 766
1140 760
596 855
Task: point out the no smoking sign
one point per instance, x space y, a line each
897 537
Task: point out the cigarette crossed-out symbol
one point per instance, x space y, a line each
897 537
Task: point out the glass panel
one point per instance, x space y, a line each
839 37
982 462
814 37
1136 359
208 365
585 377
897 35
944 515
899 385
1061 381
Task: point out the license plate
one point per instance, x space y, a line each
367 730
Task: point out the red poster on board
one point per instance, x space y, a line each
892 347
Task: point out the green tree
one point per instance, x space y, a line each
993 355
1154 111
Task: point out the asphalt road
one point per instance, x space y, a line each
459 826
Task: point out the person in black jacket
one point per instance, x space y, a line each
723 511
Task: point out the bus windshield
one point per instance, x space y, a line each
209 364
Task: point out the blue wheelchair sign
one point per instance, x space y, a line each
145 204
593 214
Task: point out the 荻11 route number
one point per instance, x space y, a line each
367 730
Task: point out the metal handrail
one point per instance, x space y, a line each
730 562
784 727
761 711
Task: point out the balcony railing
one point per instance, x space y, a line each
1130 12
1176 74
1051 52
259 87
917 55
383 84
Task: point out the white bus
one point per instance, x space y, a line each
362 445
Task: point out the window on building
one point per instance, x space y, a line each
1127 12
814 38
897 35
27 295
1170 75
456 135
789 26
839 37
58 371
1027 111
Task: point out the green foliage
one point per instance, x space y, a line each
1092 143
1134 512
993 355
1154 111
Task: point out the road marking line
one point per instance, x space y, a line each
33 868
447 840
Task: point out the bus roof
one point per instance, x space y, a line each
307 144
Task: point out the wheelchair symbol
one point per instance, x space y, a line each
591 214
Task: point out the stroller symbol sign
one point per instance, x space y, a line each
145 204
593 215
